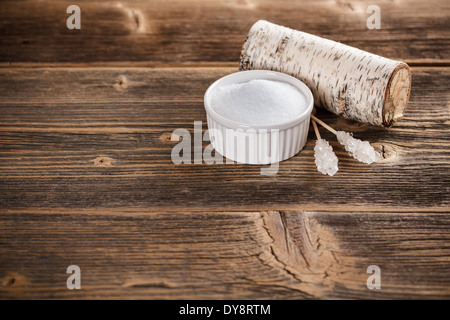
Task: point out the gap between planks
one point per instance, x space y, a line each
420 63
154 211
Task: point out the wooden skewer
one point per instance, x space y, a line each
323 124
316 130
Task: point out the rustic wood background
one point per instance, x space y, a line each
86 176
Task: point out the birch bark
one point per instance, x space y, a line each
347 81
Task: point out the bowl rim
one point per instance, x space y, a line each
248 75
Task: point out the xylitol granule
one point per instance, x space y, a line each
259 102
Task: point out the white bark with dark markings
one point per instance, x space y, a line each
344 80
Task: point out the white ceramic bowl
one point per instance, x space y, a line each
258 144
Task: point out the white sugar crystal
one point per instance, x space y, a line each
326 160
360 150
259 102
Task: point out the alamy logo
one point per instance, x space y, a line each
374 281
182 152
374 20
74 281
73 21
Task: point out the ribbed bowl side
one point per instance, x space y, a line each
257 146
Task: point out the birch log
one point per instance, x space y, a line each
344 80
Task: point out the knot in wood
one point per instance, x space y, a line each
103 161
121 83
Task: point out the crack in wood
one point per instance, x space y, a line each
305 251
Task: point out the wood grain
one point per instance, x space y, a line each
207 255
56 123
86 175
184 31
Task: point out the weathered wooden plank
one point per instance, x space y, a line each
71 138
205 255
181 31
86 176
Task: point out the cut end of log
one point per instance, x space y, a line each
397 95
